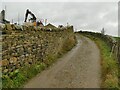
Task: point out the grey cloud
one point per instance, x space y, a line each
83 15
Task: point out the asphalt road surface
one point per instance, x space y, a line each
79 68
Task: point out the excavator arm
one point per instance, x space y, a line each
33 19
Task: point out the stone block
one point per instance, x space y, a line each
5 62
13 60
8 27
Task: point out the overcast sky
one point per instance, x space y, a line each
82 15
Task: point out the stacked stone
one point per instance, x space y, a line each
32 45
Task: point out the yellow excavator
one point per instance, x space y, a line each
33 19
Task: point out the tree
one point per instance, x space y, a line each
103 31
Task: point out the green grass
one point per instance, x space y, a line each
108 63
19 77
68 44
119 76
118 39
109 67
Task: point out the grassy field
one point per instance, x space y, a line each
109 64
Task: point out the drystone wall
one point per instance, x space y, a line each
32 45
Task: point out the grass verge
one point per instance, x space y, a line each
109 65
19 77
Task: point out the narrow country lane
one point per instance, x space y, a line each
79 68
